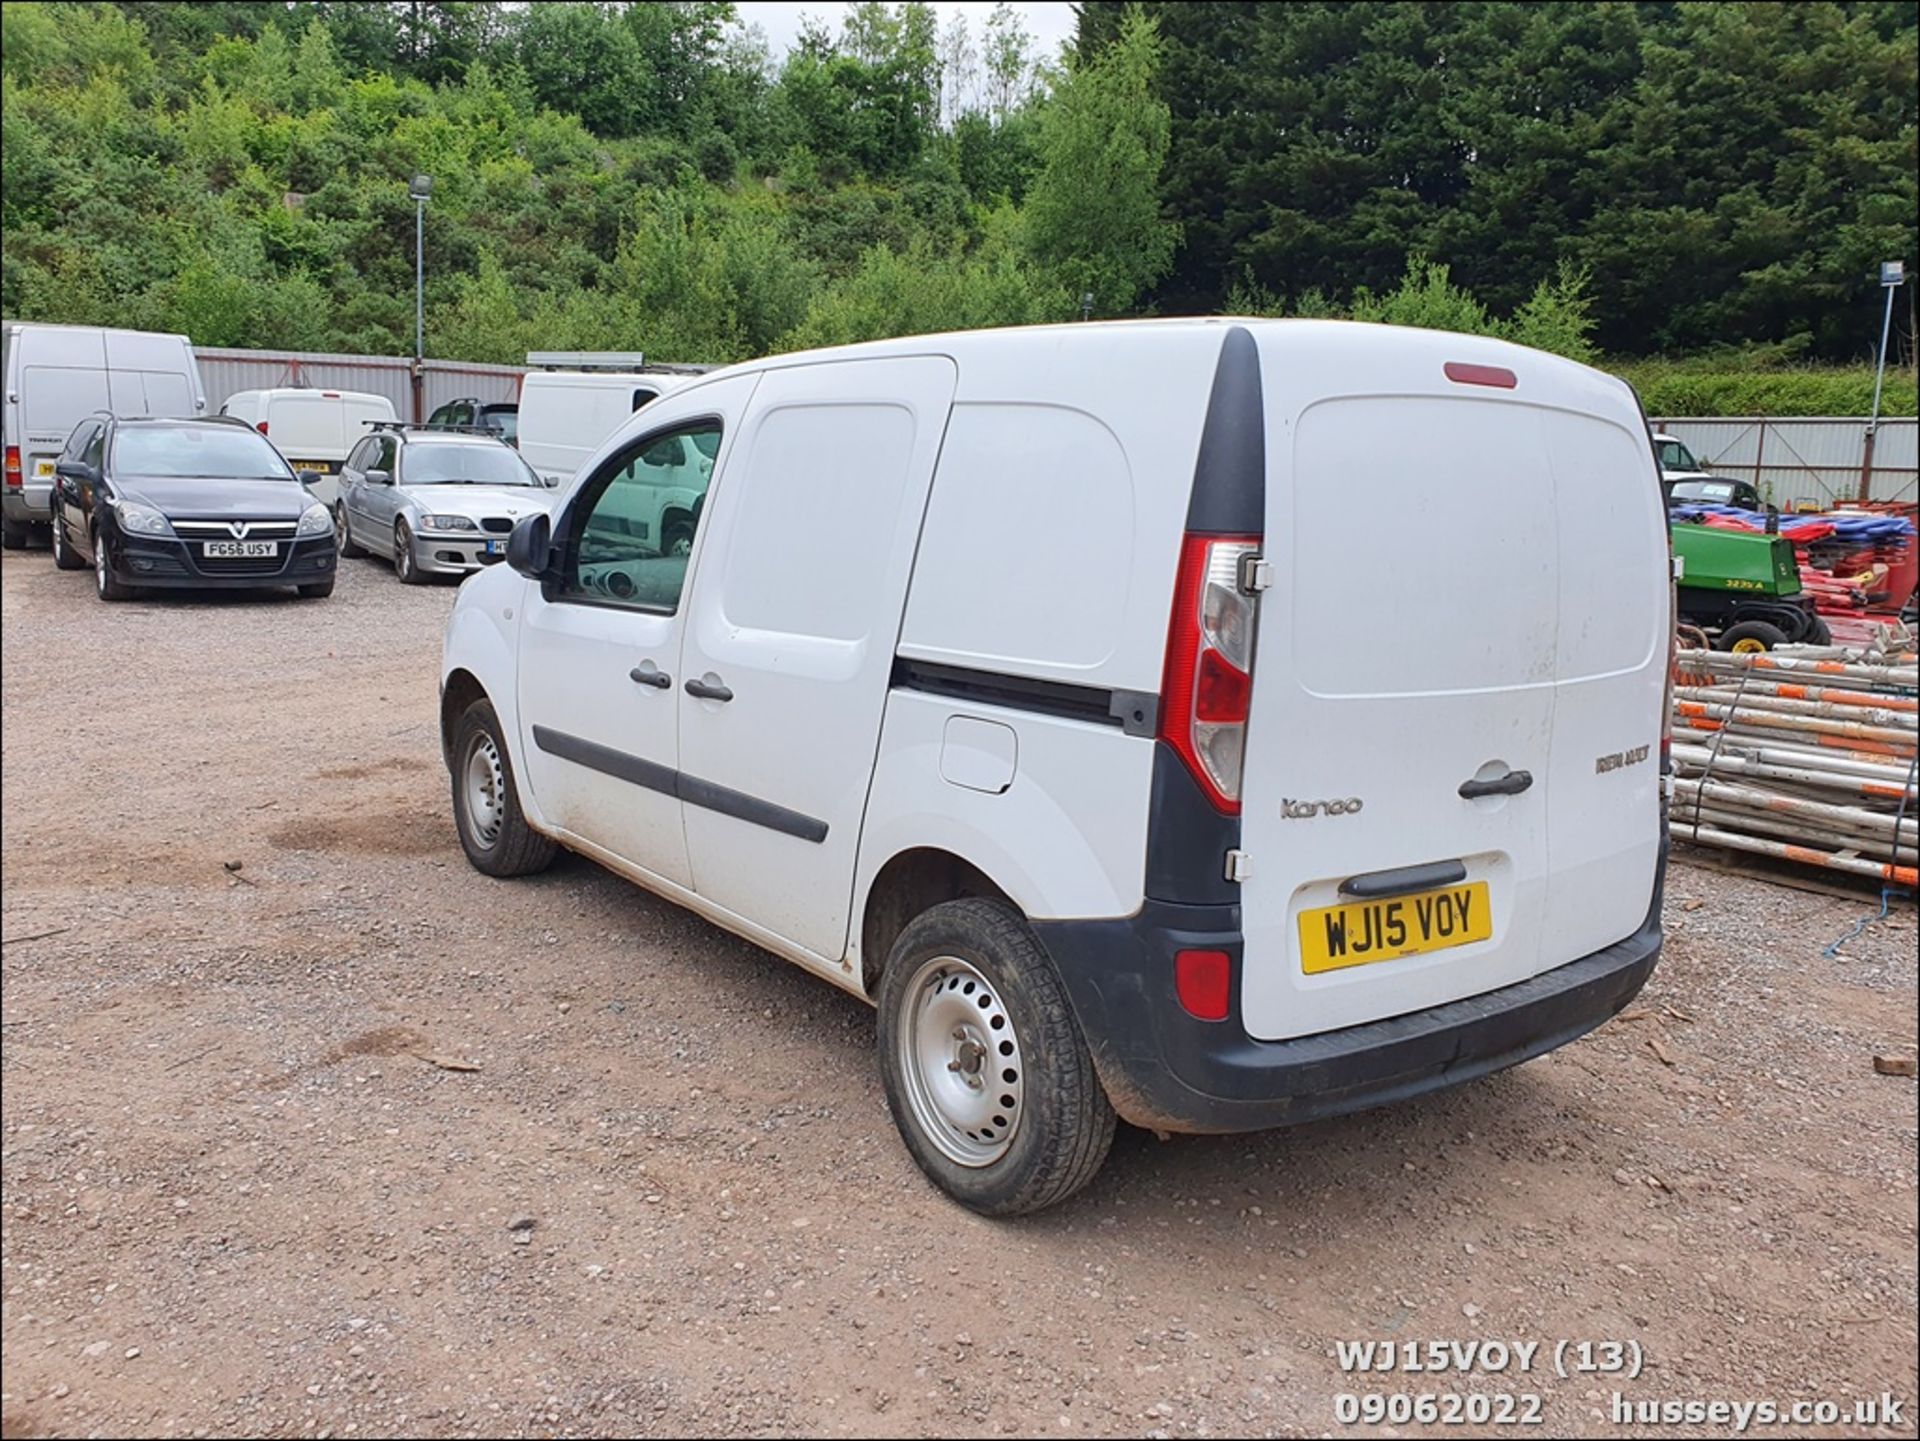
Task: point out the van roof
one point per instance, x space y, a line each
15 327
310 392
1176 334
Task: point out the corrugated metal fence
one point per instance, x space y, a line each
1813 461
225 372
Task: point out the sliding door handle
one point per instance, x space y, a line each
709 689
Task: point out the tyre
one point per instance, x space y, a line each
985 1069
486 808
1750 636
404 564
109 585
1818 632
319 590
64 555
13 533
350 549
676 536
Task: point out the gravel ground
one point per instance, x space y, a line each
253 1183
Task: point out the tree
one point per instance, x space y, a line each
1093 213
1009 61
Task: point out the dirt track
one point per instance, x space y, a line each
244 1194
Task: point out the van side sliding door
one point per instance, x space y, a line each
797 591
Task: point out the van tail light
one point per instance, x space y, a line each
1204 981
14 478
1208 683
261 426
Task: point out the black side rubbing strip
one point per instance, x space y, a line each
608 761
691 789
1135 712
1230 477
743 807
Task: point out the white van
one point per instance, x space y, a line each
566 414
313 429
56 376
1218 723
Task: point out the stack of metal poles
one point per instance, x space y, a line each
1808 758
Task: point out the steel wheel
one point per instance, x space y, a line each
486 788
960 1058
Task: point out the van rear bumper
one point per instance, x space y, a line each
1164 1069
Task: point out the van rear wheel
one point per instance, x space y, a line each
987 1075
13 533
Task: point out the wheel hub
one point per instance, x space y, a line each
960 1057
485 791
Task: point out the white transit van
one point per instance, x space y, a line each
1218 723
313 429
566 414
56 376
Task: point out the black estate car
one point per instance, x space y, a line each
194 504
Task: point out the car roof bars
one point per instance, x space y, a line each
439 429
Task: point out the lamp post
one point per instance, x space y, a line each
1893 274
421 187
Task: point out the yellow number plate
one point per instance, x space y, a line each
1361 932
42 469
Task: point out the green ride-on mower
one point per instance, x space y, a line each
1743 589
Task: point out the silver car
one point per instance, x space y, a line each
437 502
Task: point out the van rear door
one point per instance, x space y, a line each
63 379
1466 617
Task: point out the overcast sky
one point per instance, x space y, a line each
1049 24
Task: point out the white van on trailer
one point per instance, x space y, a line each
57 376
314 429
1218 723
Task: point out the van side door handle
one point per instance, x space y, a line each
1510 784
713 689
648 674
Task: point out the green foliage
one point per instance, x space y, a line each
1722 171
1727 385
1093 212
1582 178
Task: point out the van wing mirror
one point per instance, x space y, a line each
530 547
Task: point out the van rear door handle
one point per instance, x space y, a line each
648 674
1510 784
713 689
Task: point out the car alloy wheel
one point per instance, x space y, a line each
101 578
402 552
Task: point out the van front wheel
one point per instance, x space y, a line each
486 808
986 1072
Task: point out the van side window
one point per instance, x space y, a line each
642 397
632 530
